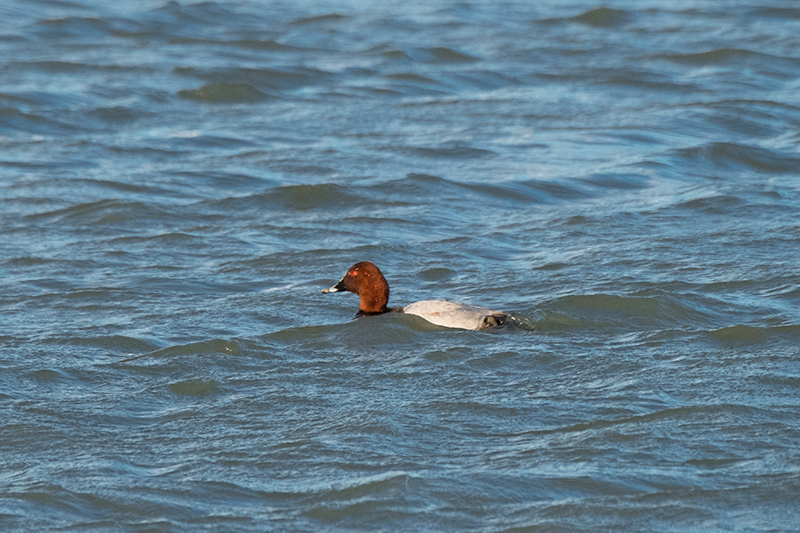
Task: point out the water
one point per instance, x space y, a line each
180 180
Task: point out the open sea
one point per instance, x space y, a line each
179 180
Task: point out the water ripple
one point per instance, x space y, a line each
179 180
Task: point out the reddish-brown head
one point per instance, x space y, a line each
366 280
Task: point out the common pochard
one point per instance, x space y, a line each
366 280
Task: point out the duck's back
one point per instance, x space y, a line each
455 315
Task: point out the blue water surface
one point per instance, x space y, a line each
178 182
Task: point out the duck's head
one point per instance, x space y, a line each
366 280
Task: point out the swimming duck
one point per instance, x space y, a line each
367 281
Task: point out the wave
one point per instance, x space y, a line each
324 18
742 334
195 387
119 114
264 80
224 93
442 54
74 26
733 56
663 316
603 310
176 14
781 13
363 496
104 212
458 151
734 156
213 346
392 329
15 120
709 411
297 198
524 192
121 343
263 45
603 17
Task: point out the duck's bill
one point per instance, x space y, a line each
336 288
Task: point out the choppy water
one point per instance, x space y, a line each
179 181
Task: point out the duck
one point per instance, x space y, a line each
366 280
